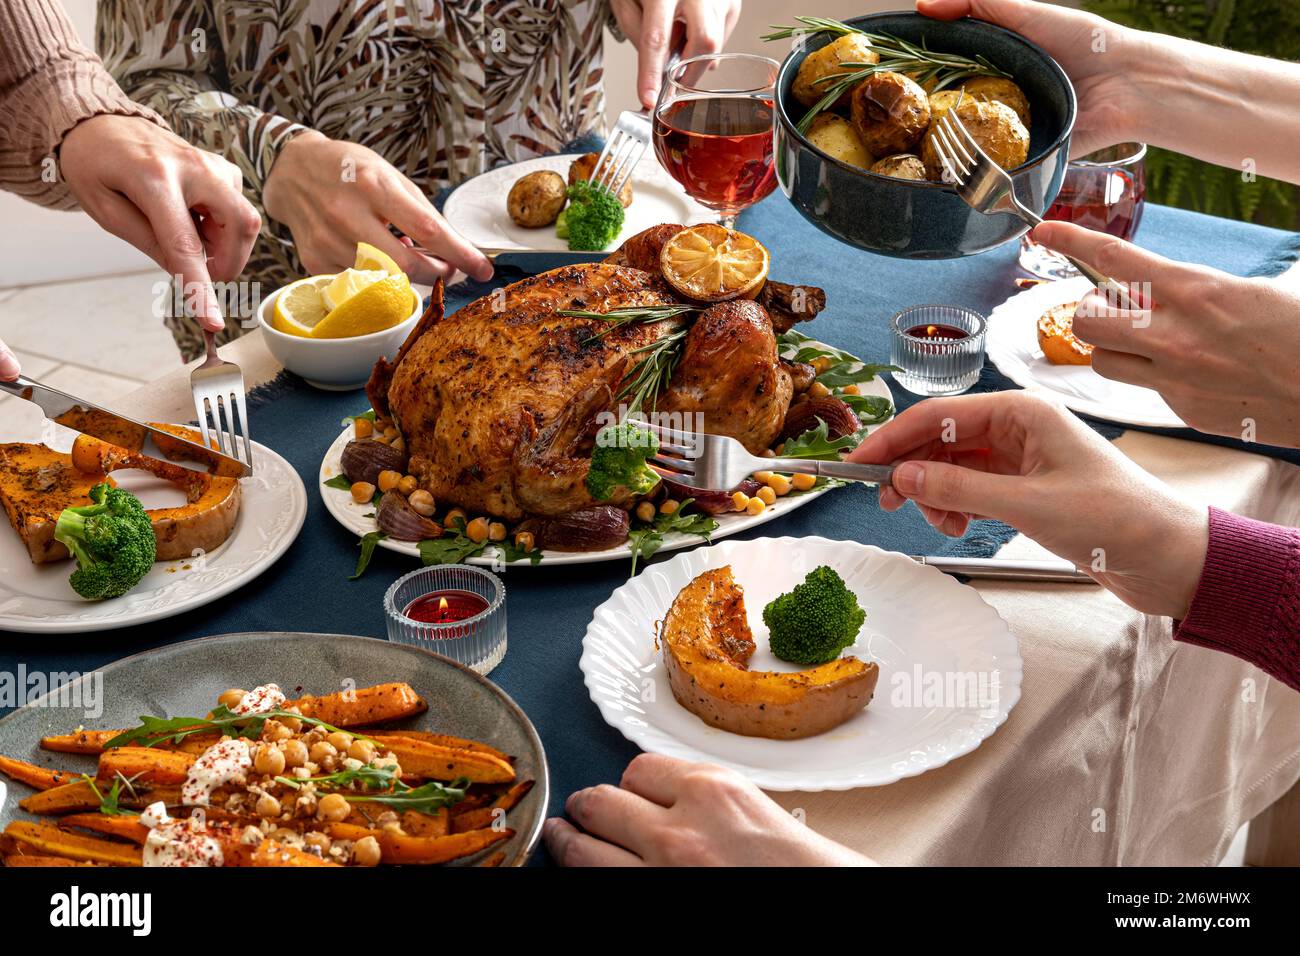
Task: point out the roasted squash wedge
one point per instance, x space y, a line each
707 644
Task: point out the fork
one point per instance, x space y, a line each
218 389
718 463
626 144
988 189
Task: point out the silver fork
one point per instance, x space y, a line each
718 463
988 189
218 389
627 144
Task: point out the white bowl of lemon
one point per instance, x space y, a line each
331 329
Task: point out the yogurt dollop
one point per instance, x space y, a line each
222 763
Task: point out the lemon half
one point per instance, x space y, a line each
300 307
710 263
371 259
380 305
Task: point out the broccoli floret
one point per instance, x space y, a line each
814 622
619 461
112 540
592 219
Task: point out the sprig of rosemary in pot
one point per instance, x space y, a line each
935 71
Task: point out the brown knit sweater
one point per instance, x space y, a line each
49 82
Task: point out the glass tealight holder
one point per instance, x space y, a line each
940 348
455 610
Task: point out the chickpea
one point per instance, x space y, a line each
381 439
669 506
768 453
803 482
269 760
739 500
320 841
780 484
382 424
363 427
333 807
646 511
408 484
821 363
295 753
293 723
524 541
362 750
267 806
366 852
422 502
756 506
399 443
231 698
452 515
818 390
388 480
767 495
852 390
762 477
274 730
477 530
363 492
496 531
320 750
339 740
391 432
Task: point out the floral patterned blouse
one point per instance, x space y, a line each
441 89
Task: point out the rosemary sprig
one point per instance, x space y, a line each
651 372
896 54
617 318
158 730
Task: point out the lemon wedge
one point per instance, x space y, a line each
300 307
370 259
348 283
710 263
382 304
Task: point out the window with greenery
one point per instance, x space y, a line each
1265 27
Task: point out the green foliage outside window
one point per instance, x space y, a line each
1264 27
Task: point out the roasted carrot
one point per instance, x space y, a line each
404 848
365 705
481 817
51 841
128 827
436 762
92 742
145 764
461 743
433 824
32 859
41 778
71 797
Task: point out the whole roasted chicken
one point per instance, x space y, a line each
499 403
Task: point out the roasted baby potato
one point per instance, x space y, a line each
582 168
850 48
1057 339
943 101
836 137
537 198
993 125
1001 90
900 166
890 112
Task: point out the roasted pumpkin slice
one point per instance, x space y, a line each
707 644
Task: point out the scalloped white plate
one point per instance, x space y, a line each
38 599
1012 345
477 208
359 519
935 640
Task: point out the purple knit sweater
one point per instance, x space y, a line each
1248 600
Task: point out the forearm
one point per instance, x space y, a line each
1248 601
1228 108
49 82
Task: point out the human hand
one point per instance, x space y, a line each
333 194
1030 463
649 25
8 364
1104 61
1222 351
180 206
670 812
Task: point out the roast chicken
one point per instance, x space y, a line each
499 403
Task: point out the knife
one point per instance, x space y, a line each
1006 569
98 422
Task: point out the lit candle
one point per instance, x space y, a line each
445 607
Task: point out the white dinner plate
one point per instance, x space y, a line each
38 599
359 518
1012 344
477 207
950 667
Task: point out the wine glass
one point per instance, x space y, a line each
713 129
1105 191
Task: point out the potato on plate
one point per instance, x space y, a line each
535 200
890 112
850 48
836 137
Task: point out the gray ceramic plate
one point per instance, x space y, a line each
185 679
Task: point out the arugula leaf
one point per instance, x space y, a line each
870 409
374 778
425 798
643 543
512 552
449 549
338 481
817 444
367 415
843 373
158 730
648 539
367 542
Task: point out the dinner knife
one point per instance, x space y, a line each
1007 569
98 422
